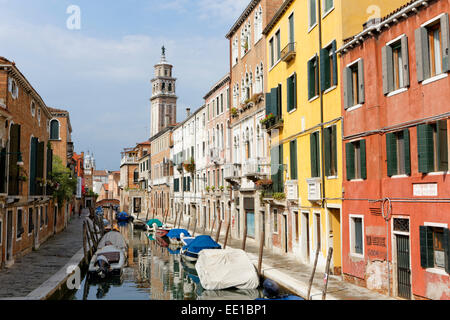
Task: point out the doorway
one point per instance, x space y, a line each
250 220
335 239
285 233
403 266
305 236
9 236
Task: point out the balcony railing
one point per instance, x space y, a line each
256 168
232 171
289 52
129 160
214 155
273 123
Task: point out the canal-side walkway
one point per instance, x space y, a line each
34 269
295 276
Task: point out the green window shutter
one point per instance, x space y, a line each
314 155
334 149
361 89
311 80
350 160
445 42
325 77
347 84
388 69
294 86
40 165
391 154
268 101
422 54
33 163
279 101
293 159
425 148
274 101
442 150
327 153
13 181
274 167
289 94
335 64
405 58
362 145
407 145
426 257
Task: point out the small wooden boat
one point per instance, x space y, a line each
193 246
162 231
106 262
175 236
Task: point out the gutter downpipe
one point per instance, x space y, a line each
322 147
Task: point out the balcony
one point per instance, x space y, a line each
292 190
254 169
272 122
214 155
314 189
129 160
232 171
160 181
289 52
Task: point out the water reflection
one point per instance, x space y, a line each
155 271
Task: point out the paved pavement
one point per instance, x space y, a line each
32 270
295 276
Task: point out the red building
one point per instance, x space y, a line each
396 186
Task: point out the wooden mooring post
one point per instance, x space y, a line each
226 235
313 272
244 239
86 259
212 227
327 272
218 230
261 249
195 226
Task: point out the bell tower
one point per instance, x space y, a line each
164 99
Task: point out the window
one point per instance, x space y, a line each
272 52
258 24
356 160
432 147
327 6
356 235
235 51
54 129
312 13
328 67
293 159
3 170
398 153
278 40
30 220
291 29
432 52
136 176
434 247
46 216
13 88
330 141
313 78
292 92
395 65
19 228
296 226
245 39
315 155
354 84
275 221
33 109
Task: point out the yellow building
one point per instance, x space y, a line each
303 116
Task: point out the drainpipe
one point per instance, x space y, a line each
322 147
387 216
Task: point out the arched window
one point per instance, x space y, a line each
54 129
235 51
258 24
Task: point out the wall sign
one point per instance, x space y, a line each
425 190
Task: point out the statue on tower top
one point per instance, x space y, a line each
163 54
163 50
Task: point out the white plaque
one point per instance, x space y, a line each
425 190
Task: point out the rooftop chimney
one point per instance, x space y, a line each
371 22
188 112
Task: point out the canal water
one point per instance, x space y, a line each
155 271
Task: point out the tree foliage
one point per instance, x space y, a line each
64 184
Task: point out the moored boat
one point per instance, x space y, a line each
193 246
106 262
175 236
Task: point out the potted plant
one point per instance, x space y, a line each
221 188
264 183
234 112
190 166
213 188
279 196
207 188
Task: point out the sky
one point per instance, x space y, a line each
95 59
